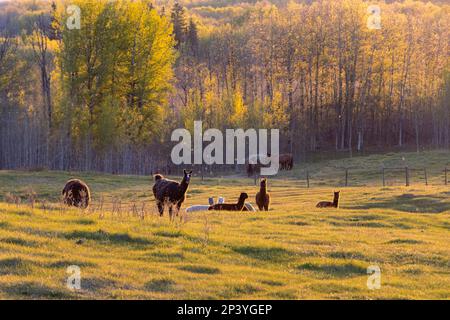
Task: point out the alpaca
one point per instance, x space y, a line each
326 204
263 197
170 192
231 206
197 207
286 161
76 193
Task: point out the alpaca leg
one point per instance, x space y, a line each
160 208
266 207
170 212
178 207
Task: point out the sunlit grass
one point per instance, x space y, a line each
294 251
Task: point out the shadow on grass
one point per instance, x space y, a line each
234 291
273 254
103 236
407 203
168 233
164 256
404 241
336 270
199 269
84 222
96 284
160 285
14 266
67 263
33 290
19 242
346 255
4 224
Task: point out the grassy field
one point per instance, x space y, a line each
294 251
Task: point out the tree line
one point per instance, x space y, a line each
107 96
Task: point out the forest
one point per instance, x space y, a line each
107 95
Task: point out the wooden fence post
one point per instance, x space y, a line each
426 177
407 176
307 178
382 173
446 170
346 176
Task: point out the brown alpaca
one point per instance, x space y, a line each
231 206
171 193
263 197
286 161
327 204
76 193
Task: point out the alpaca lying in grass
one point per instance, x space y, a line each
200 207
231 206
171 193
327 204
76 193
263 197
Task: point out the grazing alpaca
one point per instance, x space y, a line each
327 204
231 206
170 192
286 161
263 197
76 193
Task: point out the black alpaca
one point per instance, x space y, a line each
170 192
327 204
76 193
231 206
263 197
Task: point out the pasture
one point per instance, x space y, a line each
294 251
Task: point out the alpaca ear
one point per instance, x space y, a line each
184 171
190 172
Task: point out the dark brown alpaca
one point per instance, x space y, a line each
263 197
286 161
76 193
327 204
231 206
171 193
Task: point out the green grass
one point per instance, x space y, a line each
294 251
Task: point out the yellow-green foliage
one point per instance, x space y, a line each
294 251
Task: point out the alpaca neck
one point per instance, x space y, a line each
335 201
240 203
184 185
263 190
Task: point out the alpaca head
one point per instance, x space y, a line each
243 196
187 175
336 194
263 183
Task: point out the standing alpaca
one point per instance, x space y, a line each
170 192
327 204
76 193
286 161
263 197
231 206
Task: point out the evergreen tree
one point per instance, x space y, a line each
178 17
192 38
